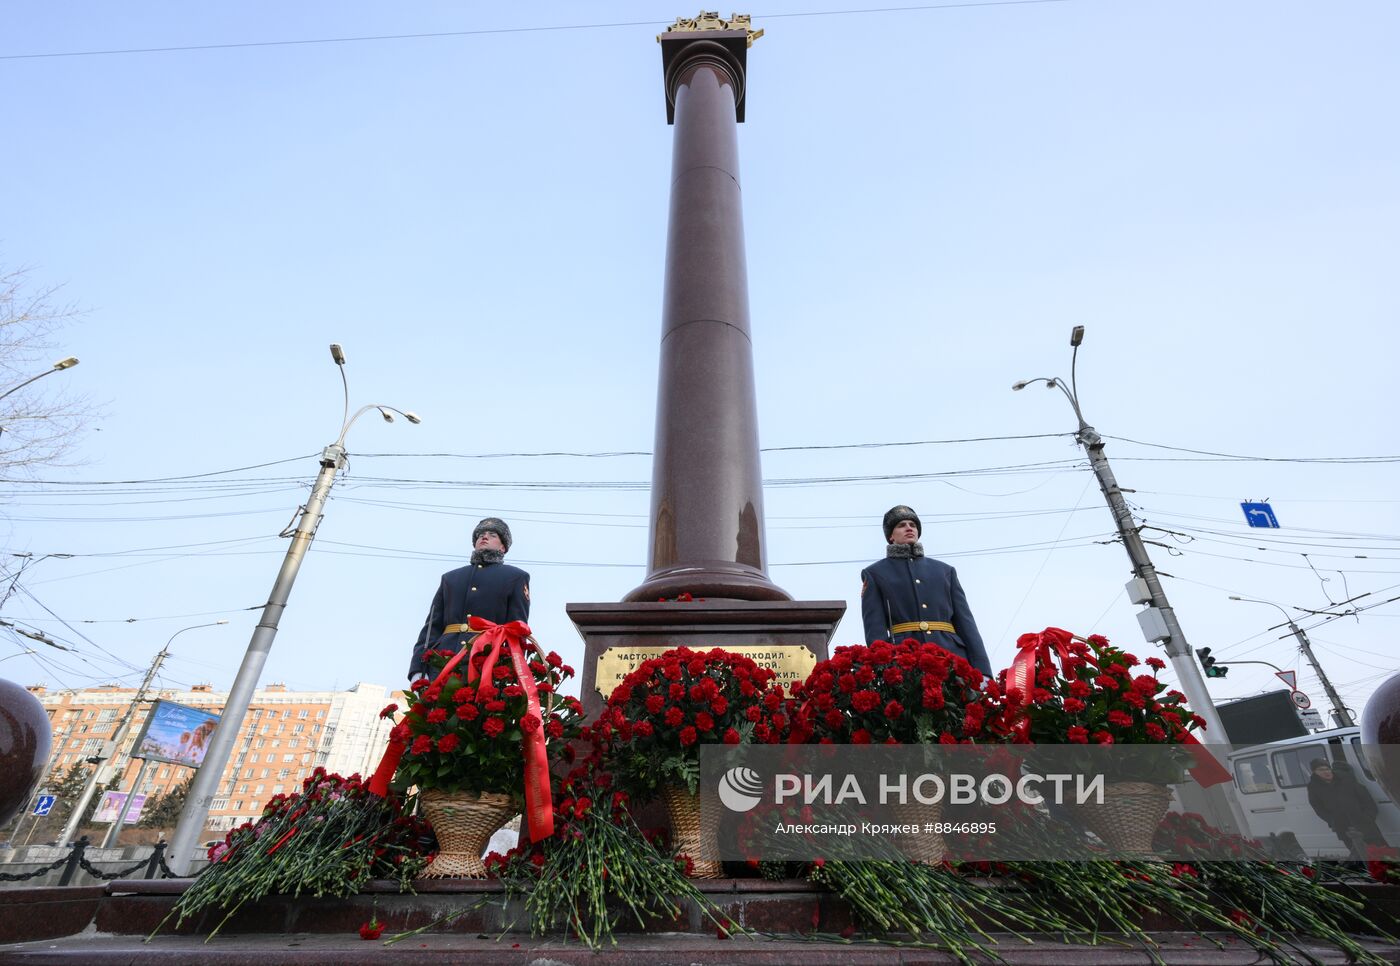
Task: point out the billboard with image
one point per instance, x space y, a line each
176 733
112 805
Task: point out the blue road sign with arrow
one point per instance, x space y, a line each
44 804
1260 515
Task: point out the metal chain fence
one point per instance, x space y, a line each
77 859
20 877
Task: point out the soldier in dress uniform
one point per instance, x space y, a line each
487 587
909 595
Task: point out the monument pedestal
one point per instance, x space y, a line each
788 636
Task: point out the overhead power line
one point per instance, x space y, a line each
537 484
1260 459
204 481
489 31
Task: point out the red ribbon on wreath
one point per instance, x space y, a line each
490 642
1035 652
1039 650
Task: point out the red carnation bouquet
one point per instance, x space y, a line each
1099 695
468 737
661 713
908 693
329 839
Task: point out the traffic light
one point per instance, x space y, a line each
1211 668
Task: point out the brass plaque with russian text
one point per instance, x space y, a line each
789 662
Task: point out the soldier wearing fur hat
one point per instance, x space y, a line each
909 595
487 587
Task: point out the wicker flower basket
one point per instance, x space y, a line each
464 823
1129 815
924 848
683 809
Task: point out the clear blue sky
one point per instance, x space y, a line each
932 199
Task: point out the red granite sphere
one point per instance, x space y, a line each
1380 734
25 739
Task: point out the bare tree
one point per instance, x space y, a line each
40 419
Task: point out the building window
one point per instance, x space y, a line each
218 804
277 789
306 758
265 773
303 713
261 742
242 789
288 758
321 714
285 773
298 729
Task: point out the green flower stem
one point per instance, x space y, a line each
571 887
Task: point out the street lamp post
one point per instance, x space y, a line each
105 772
206 777
1339 709
1158 620
120 820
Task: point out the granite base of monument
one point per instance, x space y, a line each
788 636
800 923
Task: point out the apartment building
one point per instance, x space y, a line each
284 736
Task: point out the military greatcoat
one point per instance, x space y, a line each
899 591
496 591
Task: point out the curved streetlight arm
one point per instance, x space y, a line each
58 366
383 411
1288 619
192 628
1073 366
1086 432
